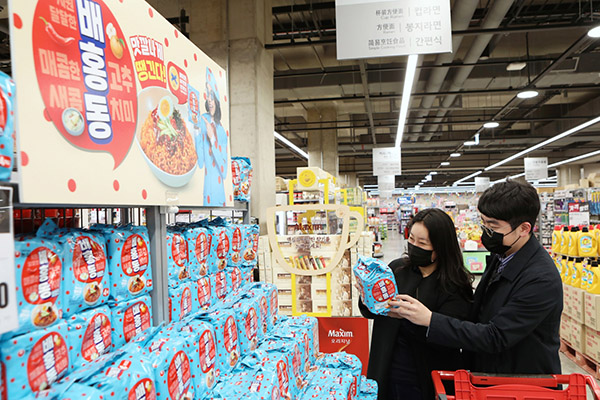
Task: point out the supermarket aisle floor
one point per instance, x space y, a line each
395 245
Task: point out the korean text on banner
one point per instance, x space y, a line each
392 28
349 334
121 108
536 168
9 319
386 161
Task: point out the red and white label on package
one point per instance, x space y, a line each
221 285
223 246
230 335
383 290
89 260
236 278
235 172
48 361
203 246
255 242
274 304
179 250
134 257
41 276
143 389
179 375
97 338
186 303
283 377
297 361
204 292
251 324
236 240
136 320
207 349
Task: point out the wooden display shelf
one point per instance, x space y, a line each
583 361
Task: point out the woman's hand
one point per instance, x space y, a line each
409 308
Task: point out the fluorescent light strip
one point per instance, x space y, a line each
468 177
291 145
411 69
545 142
570 160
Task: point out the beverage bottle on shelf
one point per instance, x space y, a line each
556 238
572 245
564 240
593 278
587 245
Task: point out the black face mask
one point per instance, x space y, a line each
418 256
494 243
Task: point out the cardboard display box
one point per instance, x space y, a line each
592 344
577 300
592 310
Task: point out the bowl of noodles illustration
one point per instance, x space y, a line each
163 137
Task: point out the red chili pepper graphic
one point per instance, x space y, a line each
58 39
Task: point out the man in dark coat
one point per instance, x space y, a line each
514 324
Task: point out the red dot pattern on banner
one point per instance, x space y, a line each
166 42
47 115
116 185
220 73
17 21
227 132
176 33
195 57
185 63
219 180
208 198
72 185
230 198
144 194
225 98
150 12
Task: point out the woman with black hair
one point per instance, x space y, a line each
401 360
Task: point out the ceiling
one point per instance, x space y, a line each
453 94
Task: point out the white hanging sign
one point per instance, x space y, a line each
386 161
481 183
386 183
9 319
536 168
366 29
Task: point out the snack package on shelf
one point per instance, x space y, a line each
248 323
250 235
221 243
129 263
199 240
7 126
368 389
262 293
300 325
221 287
130 318
178 264
250 384
234 278
205 293
204 350
343 361
226 334
377 282
90 335
85 278
237 239
33 362
181 302
241 169
38 268
336 383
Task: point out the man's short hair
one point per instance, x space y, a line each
511 201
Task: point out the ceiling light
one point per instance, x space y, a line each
445 164
546 142
527 94
570 160
594 32
491 125
516 66
468 177
455 155
417 187
433 173
291 145
411 69
428 178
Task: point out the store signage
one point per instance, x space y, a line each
9 318
116 107
345 334
536 168
579 214
386 161
481 183
366 29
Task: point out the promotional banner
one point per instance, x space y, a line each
349 334
536 168
116 106
371 28
386 161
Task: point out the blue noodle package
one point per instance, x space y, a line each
251 384
226 334
130 318
221 285
7 126
248 323
378 284
329 384
90 335
234 278
199 241
237 244
263 293
181 302
35 361
73 391
250 234
368 389
344 361
221 243
302 341
85 278
205 293
300 326
203 355
129 263
241 170
178 265
38 267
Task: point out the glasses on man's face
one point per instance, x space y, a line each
488 231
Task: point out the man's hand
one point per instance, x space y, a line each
409 308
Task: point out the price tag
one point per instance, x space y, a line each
8 296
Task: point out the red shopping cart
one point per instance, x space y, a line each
468 386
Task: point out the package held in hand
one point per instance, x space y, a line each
378 284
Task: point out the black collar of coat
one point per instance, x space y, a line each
520 259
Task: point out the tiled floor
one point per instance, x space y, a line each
395 245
